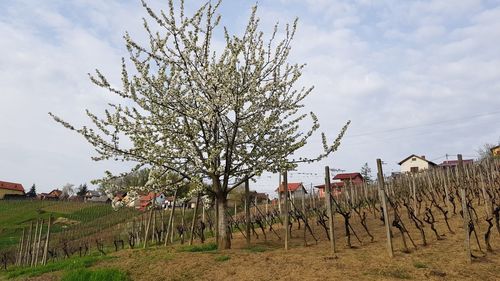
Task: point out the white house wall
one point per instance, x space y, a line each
408 164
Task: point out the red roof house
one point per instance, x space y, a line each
454 163
354 178
53 195
10 188
296 190
340 180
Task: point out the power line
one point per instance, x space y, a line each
423 125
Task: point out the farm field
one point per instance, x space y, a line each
267 260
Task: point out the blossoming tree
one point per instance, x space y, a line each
221 117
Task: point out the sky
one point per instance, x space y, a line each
414 77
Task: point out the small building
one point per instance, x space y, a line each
146 200
53 195
259 197
91 194
339 181
495 151
415 164
335 186
191 204
102 198
295 189
353 178
10 189
131 200
451 164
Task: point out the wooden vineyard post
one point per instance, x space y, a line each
27 251
146 233
33 246
47 239
193 222
279 195
37 251
267 204
216 211
247 212
328 202
170 224
465 209
305 217
285 209
21 247
381 191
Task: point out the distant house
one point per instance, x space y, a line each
191 204
168 202
131 200
260 197
415 164
296 190
335 186
340 181
10 189
146 200
53 195
353 178
91 194
454 163
99 199
495 151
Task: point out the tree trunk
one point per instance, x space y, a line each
224 239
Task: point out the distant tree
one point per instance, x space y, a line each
484 151
366 172
82 190
67 191
32 192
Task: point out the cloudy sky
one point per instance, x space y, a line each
416 77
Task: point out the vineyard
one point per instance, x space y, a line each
443 222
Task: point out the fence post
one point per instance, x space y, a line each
381 191
328 201
47 239
465 209
285 209
193 222
247 212
279 195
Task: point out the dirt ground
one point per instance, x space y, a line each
267 260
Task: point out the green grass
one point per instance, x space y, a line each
199 248
67 264
108 274
222 258
256 249
418 264
397 273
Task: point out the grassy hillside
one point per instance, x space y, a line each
91 217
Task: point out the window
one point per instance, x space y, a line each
414 169
414 159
